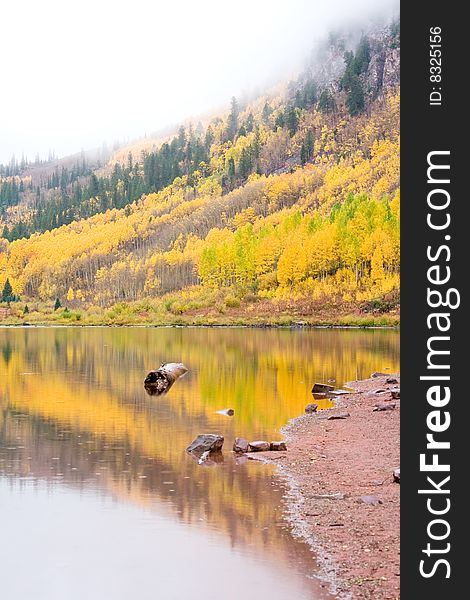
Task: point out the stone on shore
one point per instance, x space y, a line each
240 445
339 415
384 406
206 442
372 500
395 394
259 446
396 475
311 408
278 446
321 388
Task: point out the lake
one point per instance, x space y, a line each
98 498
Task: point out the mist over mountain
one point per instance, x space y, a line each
285 202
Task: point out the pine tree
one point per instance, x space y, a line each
362 58
267 110
326 102
232 126
57 304
309 144
355 102
7 294
291 119
231 169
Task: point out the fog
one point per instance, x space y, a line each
77 73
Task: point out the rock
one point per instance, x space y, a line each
227 412
384 406
322 388
339 392
259 446
311 408
278 446
206 442
395 394
372 500
340 415
396 475
392 381
379 391
391 72
240 445
379 374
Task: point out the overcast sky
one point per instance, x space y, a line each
76 73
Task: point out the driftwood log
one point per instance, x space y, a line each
160 381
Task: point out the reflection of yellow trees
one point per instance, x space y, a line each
89 384
266 376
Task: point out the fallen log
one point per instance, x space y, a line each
160 380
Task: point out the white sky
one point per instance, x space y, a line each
76 73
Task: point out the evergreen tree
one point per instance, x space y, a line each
7 294
355 102
232 126
231 169
291 119
326 102
362 58
26 309
57 304
267 110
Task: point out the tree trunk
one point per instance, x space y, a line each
160 381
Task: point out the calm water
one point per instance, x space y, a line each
98 498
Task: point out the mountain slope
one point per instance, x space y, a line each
288 203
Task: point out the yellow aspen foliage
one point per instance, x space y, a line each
377 272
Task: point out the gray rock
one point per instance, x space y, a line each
259 446
395 394
379 374
206 442
391 72
240 445
340 415
391 381
396 475
384 406
311 408
321 388
372 500
278 446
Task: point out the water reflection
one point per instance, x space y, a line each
76 420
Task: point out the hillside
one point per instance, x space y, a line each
284 209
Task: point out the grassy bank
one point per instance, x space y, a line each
212 310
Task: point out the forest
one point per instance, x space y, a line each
286 207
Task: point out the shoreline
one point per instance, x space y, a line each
341 496
193 326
